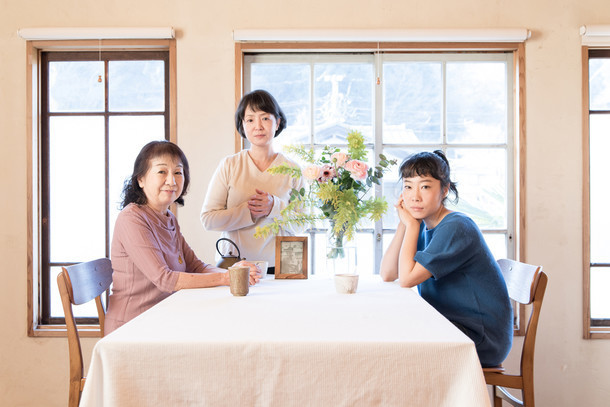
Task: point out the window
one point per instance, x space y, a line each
97 109
596 218
464 103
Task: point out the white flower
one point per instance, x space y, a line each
312 172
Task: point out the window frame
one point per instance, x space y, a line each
376 234
592 329
243 48
36 282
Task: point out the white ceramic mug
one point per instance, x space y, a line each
263 265
346 283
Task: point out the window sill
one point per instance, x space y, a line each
84 331
599 332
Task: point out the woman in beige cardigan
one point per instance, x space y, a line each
242 194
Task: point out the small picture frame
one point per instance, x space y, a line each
290 257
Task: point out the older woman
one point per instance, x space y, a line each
150 258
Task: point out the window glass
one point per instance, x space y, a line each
480 175
497 244
600 281
365 258
77 162
599 83
89 149
599 139
459 103
136 86
290 84
412 103
127 136
76 86
476 102
598 272
343 101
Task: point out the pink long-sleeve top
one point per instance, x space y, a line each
147 253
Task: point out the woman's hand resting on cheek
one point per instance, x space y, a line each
405 216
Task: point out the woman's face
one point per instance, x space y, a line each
259 127
423 196
163 182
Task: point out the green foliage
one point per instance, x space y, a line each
294 172
355 145
336 195
300 151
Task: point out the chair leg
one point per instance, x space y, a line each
528 396
74 395
497 400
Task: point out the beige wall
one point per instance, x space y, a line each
570 371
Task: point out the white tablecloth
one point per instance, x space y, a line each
288 343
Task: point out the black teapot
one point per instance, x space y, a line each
227 261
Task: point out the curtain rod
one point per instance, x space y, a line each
389 35
595 34
95 33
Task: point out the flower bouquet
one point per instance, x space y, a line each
338 183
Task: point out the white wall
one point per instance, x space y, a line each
570 371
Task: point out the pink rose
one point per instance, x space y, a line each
312 172
357 169
327 172
339 159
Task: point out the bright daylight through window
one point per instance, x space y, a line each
460 103
98 110
599 194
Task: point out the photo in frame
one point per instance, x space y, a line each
291 257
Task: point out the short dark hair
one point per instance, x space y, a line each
434 165
132 192
259 100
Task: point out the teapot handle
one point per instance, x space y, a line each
230 241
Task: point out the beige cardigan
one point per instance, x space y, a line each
226 204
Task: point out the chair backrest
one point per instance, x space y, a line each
77 285
526 284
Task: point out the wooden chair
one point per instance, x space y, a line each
526 285
79 284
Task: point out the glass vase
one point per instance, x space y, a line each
341 255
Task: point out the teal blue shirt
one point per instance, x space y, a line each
467 286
